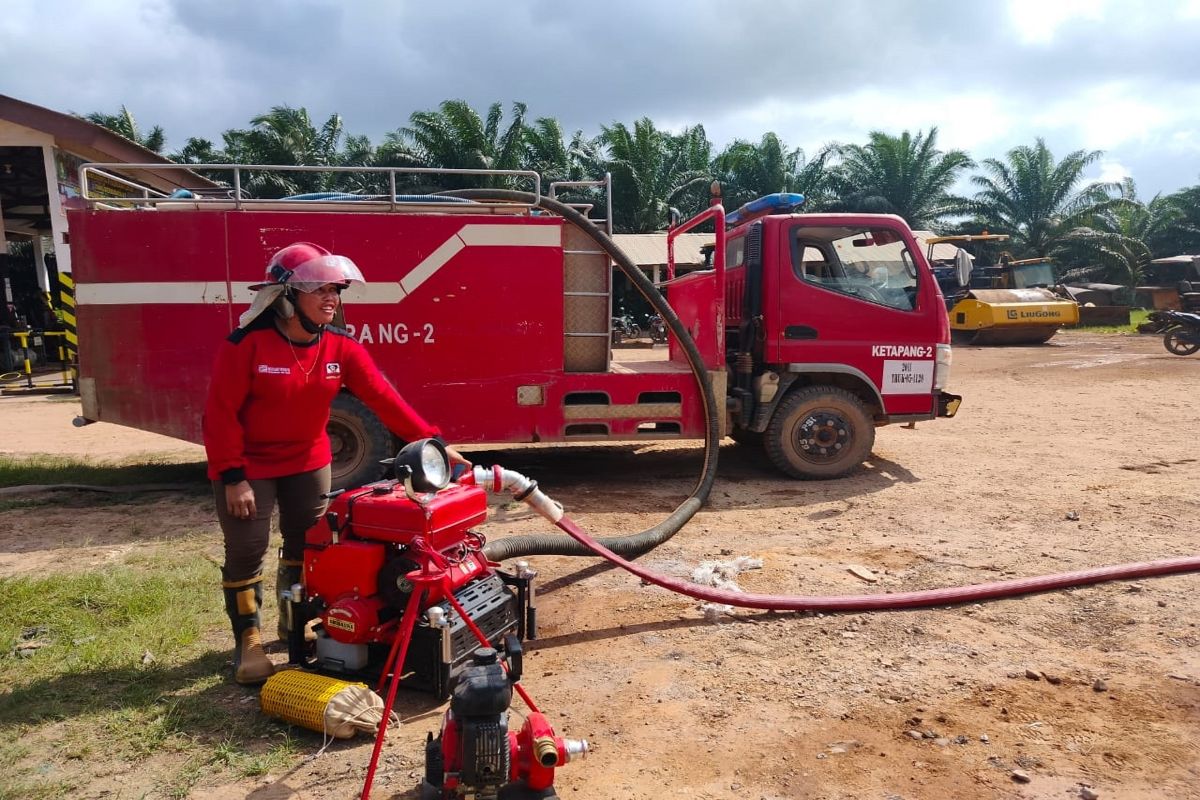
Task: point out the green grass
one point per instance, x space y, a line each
1136 317
133 665
44 469
252 765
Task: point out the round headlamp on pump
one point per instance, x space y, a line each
423 465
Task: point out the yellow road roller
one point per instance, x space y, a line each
1014 302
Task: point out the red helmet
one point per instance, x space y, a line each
306 267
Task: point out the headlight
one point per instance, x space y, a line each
425 464
941 370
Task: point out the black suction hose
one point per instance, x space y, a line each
636 544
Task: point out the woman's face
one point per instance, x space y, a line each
321 305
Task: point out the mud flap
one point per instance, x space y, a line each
947 404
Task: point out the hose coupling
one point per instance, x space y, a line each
546 751
576 749
525 489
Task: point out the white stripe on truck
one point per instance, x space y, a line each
380 292
120 294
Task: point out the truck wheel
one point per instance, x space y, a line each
819 432
358 441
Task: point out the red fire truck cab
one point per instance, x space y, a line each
493 319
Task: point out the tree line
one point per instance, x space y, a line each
1095 230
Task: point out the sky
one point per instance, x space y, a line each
1121 77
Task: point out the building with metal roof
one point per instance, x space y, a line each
649 250
41 151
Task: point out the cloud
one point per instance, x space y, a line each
1112 171
1109 74
1037 21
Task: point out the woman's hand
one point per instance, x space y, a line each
239 500
456 458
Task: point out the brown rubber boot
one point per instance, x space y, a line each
242 600
288 573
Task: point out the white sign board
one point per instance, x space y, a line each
907 377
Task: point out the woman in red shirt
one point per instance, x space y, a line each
273 383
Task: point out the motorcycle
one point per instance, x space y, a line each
1181 331
658 329
623 327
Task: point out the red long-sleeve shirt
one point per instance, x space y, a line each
268 403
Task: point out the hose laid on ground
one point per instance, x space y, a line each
525 489
889 602
635 544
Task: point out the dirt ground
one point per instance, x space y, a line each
1074 454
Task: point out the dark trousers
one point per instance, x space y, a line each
246 540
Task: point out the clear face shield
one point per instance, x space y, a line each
318 272
307 277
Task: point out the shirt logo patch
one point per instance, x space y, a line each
264 369
333 368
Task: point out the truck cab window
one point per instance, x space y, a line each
735 252
875 267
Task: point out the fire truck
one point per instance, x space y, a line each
491 313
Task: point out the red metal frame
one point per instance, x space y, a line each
423 580
432 580
714 212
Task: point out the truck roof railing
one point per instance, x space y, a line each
100 187
605 184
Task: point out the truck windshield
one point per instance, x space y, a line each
1029 275
872 265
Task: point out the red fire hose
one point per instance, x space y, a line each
886 602
497 479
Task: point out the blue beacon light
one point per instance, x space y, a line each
778 203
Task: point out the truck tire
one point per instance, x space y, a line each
819 432
358 441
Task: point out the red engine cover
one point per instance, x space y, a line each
349 568
392 517
354 620
369 523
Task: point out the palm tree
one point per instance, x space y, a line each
747 171
456 137
287 136
1124 238
198 151
905 175
124 124
551 155
1185 237
1036 201
653 170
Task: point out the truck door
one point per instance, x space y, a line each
852 299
